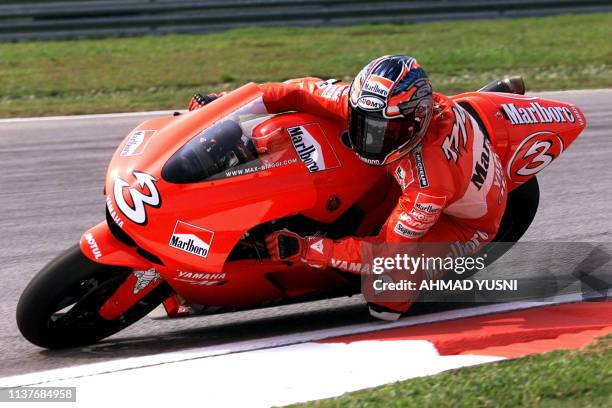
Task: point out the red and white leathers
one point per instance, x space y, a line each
453 186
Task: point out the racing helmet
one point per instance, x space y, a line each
390 108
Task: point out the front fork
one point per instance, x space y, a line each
99 245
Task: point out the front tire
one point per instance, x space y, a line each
59 307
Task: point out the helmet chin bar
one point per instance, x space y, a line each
391 157
396 154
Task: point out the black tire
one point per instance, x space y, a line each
73 279
521 208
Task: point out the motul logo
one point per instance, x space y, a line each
191 239
93 245
537 113
417 215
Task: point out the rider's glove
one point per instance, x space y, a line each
200 100
288 246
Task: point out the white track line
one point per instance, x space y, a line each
272 342
270 377
91 116
170 112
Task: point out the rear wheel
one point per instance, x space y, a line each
59 307
521 208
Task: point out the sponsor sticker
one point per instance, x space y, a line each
481 167
378 85
93 245
414 223
420 166
325 84
144 279
191 239
371 103
403 174
499 180
317 246
429 204
535 113
201 278
424 218
111 210
407 232
373 162
316 156
137 142
578 114
355 267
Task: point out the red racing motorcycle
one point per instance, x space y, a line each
190 197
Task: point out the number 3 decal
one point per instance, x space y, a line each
534 153
136 212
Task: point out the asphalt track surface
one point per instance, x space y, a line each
52 173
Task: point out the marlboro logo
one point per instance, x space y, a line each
536 113
192 239
428 204
137 142
316 156
378 85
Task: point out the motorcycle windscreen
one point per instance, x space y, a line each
225 149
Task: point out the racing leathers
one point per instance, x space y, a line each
453 186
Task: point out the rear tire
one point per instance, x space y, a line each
59 307
521 208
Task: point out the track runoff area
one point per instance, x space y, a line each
309 365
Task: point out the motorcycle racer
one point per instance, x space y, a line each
452 183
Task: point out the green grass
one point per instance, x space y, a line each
123 74
581 378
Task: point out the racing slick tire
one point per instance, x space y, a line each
59 307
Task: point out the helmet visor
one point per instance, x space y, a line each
376 138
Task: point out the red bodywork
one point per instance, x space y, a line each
191 228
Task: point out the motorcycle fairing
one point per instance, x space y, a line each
528 132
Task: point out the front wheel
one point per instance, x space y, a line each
59 307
